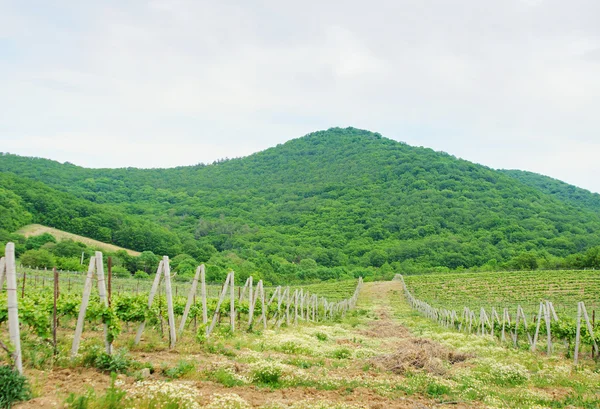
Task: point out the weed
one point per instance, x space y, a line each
266 372
226 377
13 387
321 336
342 353
183 368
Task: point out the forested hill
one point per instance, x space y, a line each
344 199
567 193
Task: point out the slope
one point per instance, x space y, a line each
343 198
37 229
570 194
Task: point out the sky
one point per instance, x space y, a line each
509 84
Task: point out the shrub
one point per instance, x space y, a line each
142 275
118 362
266 372
37 258
13 387
119 271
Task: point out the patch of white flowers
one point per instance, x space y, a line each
266 371
513 374
160 394
227 401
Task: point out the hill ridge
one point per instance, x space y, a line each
342 198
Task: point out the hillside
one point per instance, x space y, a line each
567 193
37 229
344 199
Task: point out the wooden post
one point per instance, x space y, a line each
251 297
23 286
87 289
203 295
190 300
2 271
295 306
102 294
157 277
537 326
221 298
548 327
589 327
232 302
13 310
577 334
171 315
54 314
109 262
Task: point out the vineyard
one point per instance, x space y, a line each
505 308
199 345
503 289
156 307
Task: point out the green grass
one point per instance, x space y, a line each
507 289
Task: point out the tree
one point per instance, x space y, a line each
37 258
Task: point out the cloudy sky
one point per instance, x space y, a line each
509 84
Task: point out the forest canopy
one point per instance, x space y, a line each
330 204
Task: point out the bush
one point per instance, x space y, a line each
119 271
37 258
69 264
141 275
35 242
266 372
13 387
97 358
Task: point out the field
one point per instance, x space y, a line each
383 355
508 289
37 229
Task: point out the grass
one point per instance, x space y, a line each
37 229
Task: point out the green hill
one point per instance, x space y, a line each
567 193
345 199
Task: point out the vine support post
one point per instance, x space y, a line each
168 290
54 312
190 300
153 290
203 295
87 289
232 302
577 334
103 297
13 310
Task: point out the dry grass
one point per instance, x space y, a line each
37 229
419 354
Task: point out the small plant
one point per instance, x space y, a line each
266 372
183 368
226 377
13 387
342 353
113 398
436 390
321 336
119 362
